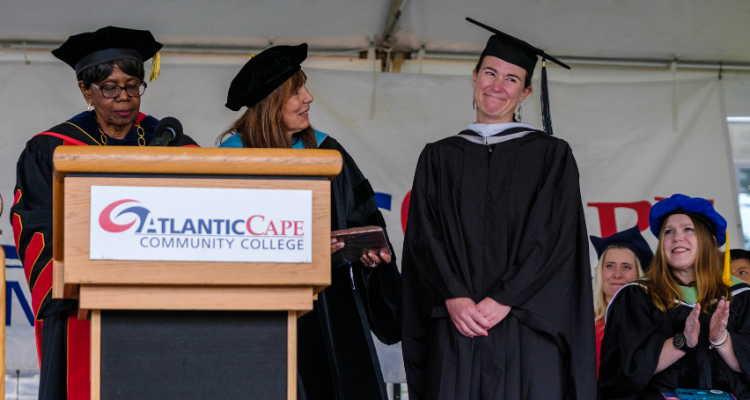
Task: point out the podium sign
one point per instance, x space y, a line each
200 224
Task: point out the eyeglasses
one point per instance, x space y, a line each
113 91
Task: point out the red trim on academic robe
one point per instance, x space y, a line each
599 337
67 141
79 357
42 287
79 331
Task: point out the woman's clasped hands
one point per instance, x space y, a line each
475 319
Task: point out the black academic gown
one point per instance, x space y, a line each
31 218
336 354
635 334
503 221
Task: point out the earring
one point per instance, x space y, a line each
474 104
518 112
91 107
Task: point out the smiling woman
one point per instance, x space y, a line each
683 325
622 259
499 89
336 352
497 290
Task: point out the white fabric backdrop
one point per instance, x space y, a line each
637 135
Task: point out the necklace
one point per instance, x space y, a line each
141 133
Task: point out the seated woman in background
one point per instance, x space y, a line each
741 264
685 324
622 259
336 353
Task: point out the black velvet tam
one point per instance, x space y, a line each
263 74
513 50
88 49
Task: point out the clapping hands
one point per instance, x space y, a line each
693 327
717 326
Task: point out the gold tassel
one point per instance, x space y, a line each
155 67
726 276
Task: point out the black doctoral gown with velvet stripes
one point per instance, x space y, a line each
336 353
31 218
503 221
635 334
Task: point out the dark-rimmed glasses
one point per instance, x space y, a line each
113 91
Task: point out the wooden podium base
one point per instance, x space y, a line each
185 355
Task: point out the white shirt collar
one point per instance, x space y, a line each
486 130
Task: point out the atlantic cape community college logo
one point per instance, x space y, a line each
197 224
106 222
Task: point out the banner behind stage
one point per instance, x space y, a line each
637 136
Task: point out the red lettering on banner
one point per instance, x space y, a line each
298 228
607 219
608 222
405 210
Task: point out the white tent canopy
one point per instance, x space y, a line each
636 29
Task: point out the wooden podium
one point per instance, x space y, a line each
189 329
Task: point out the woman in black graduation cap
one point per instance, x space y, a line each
622 259
685 324
497 282
110 75
336 354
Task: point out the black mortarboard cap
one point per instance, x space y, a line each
630 238
263 74
88 49
524 55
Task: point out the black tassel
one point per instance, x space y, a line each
546 117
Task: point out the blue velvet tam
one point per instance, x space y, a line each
629 238
696 207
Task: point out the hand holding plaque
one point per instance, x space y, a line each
367 244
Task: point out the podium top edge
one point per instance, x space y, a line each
196 161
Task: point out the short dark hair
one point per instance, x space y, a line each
738 254
102 71
526 81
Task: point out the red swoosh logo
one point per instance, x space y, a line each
106 223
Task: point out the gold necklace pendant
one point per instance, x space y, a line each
104 137
141 133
